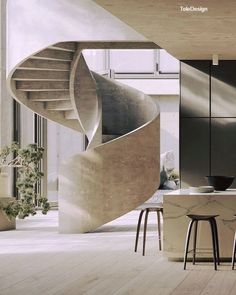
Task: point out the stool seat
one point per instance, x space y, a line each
150 205
158 208
155 209
195 219
201 217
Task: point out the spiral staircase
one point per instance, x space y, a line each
120 168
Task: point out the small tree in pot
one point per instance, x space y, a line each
27 161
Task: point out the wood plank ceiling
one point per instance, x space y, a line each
185 35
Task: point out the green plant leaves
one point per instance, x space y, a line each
28 175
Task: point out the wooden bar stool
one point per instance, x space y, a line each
214 233
159 210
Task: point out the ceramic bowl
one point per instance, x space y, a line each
201 189
220 183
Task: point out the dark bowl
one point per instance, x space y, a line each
220 183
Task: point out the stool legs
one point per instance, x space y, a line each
234 251
138 230
216 241
147 210
195 241
187 242
159 229
145 230
213 242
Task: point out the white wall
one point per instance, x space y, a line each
169 106
6 102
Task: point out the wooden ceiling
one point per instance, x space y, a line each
185 35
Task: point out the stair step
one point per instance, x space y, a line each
65 46
70 115
50 65
41 85
64 105
53 54
36 75
49 96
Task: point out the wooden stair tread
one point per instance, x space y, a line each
63 105
42 85
47 99
49 58
41 64
43 75
54 54
49 95
39 79
65 46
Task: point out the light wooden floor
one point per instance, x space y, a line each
35 259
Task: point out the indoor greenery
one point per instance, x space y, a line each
173 175
27 161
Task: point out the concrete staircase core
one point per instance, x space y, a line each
120 168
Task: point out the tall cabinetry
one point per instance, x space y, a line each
207 120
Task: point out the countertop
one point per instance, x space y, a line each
184 192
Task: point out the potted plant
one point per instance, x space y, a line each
27 161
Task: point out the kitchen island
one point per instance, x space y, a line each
180 203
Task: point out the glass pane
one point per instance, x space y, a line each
95 59
167 63
132 60
27 126
53 163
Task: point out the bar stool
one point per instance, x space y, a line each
158 208
214 233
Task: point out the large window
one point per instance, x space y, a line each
31 128
97 60
167 63
130 61
133 63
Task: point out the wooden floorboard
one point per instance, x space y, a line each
35 260
222 282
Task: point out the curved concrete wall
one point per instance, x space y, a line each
111 179
108 181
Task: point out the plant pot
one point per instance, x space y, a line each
4 185
5 222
